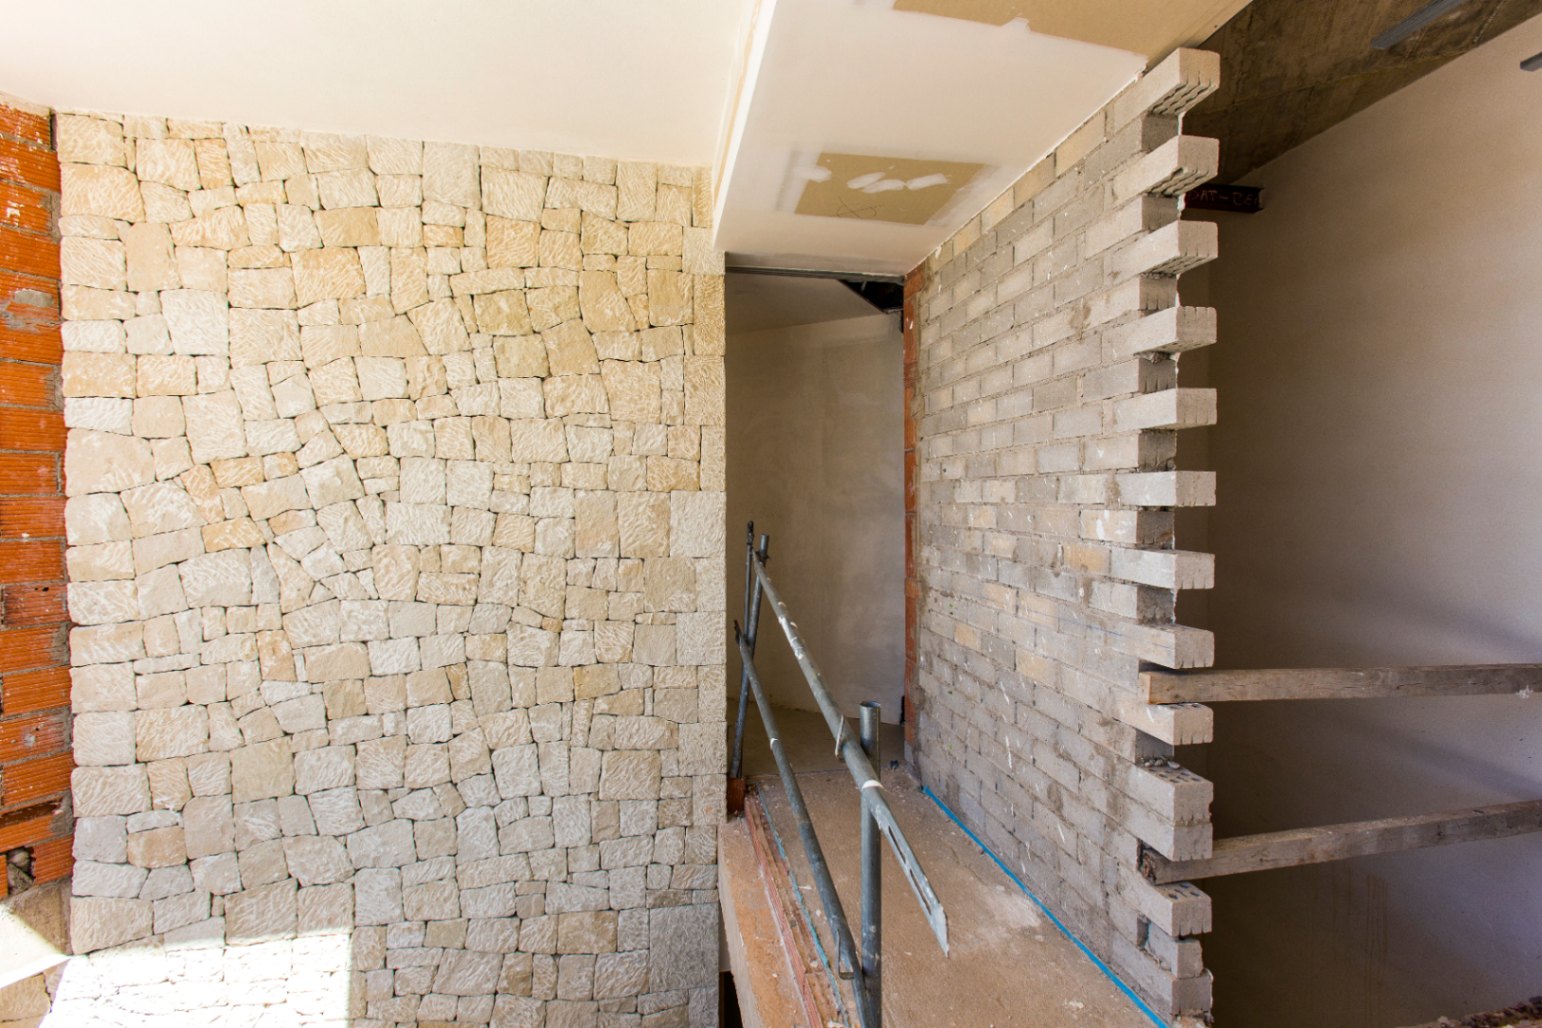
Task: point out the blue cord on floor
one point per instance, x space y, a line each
1107 971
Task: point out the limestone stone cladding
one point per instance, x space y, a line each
395 524
1046 410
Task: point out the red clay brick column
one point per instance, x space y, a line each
35 763
914 283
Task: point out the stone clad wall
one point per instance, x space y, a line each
395 520
1045 416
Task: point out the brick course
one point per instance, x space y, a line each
1045 418
35 763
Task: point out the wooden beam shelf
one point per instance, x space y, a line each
1301 846
1210 686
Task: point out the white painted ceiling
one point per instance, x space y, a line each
641 79
756 89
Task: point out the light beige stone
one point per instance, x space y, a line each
327 274
261 770
107 192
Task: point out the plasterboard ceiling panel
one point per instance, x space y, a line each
1152 29
947 111
616 78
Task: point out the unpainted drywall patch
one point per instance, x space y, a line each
991 12
905 190
1152 29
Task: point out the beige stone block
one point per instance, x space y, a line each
709 334
589 931
655 239
654 645
100 562
595 529
338 189
409 279
217 579
513 194
264 912
696 524
104 738
271 288
630 775
174 732
393 337
513 244
105 791
450 174
348 226
604 308
97 374
273 498
633 390
262 770
198 321
503 313
542 441
99 923
159 507
159 417
317 860
441 328
88 140
170 162
703 390
96 518
520 357
644 523
377 896
223 228
166 376
332 152
681 947
669 298
336 663
208 826
100 462
636 188
157 847
332 481
99 190
214 426
327 274
394 156
570 350
99 263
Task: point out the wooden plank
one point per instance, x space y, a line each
1210 686
1301 846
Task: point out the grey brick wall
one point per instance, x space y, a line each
1047 411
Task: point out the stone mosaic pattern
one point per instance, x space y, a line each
395 520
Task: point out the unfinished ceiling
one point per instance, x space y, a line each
1293 68
850 135
871 130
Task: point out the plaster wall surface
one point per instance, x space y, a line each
395 522
814 459
1379 487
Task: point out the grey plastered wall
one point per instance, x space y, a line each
814 457
1380 480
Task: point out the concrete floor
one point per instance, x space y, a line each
1008 965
